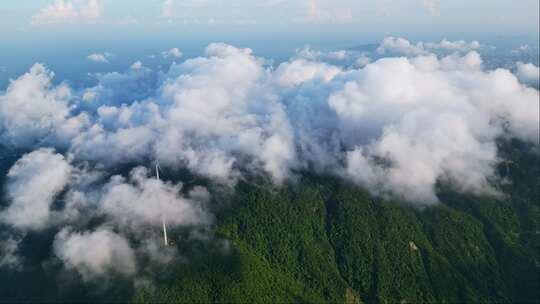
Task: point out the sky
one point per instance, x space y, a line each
363 15
59 32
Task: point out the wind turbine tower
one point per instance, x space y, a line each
165 240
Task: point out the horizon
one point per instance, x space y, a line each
61 34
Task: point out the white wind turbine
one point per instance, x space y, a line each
166 241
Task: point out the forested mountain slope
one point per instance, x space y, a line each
324 240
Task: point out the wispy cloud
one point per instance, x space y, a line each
432 7
174 53
87 11
100 58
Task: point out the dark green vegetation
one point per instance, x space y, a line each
324 240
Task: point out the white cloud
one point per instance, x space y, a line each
378 116
522 49
172 53
207 103
89 96
308 53
100 58
403 46
469 61
294 73
528 73
228 112
144 200
33 183
362 60
459 45
87 11
34 112
400 45
444 128
220 104
137 65
96 253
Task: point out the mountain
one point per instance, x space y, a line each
323 240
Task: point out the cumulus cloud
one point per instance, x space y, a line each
362 60
528 73
87 11
33 183
34 112
228 113
223 104
445 128
207 115
97 57
144 200
172 53
459 45
137 65
380 116
308 53
95 253
398 45
294 73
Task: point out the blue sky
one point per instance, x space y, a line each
273 28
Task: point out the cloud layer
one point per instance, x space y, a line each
228 113
396 125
